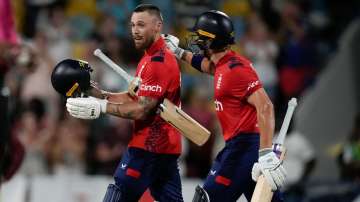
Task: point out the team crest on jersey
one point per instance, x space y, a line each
212 172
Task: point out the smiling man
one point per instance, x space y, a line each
151 158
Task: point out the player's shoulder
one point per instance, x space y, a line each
158 56
240 68
163 63
237 61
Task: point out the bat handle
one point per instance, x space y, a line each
98 53
285 125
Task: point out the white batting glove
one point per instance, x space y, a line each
270 166
172 42
86 108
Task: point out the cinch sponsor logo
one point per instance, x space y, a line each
156 88
218 106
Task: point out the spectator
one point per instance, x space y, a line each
262 50
68 146
119 10
34 131
297 57
36 84
33 8
108 145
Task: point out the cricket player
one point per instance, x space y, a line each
151 160
244 110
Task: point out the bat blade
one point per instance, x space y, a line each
186 125
262 191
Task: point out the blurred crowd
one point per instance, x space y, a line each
288 41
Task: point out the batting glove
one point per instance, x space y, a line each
270 166
172 42
86 108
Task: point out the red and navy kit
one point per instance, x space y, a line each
234 81
151 160
230 175
160 75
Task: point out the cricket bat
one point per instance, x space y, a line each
172 114
190 128
262 191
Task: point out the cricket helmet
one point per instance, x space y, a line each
71 77
213 30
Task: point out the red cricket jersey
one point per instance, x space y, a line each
234 81
160 75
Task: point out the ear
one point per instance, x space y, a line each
159 25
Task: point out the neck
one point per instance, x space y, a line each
215 57
157 36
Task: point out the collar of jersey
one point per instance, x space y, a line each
225 58
156 46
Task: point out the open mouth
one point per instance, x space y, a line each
138 39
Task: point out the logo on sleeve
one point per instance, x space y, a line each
253 84
218 83
151 88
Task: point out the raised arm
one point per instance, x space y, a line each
199 62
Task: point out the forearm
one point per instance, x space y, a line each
95 92
122 98
266 123
140 109
130 110
187 57
205 66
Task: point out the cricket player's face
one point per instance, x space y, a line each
144 29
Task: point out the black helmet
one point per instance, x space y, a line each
214 30
71 77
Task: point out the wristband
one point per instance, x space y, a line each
196 61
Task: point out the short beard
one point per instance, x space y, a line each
147 44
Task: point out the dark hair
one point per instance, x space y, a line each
152 9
